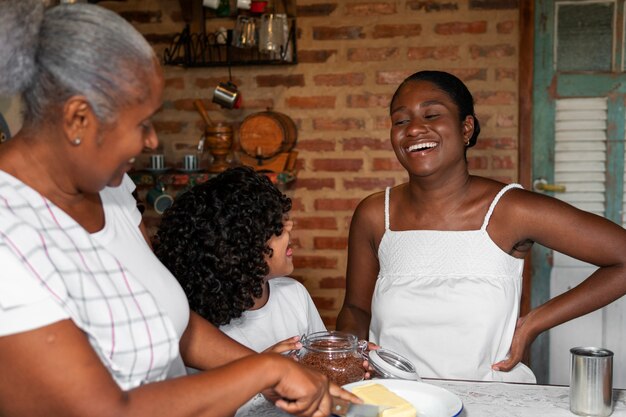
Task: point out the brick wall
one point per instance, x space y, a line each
352 55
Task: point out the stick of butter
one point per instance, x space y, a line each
378 394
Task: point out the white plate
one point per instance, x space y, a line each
428 400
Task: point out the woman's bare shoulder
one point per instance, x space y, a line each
370 211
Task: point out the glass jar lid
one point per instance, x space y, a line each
392 365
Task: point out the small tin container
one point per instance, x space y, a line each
591 382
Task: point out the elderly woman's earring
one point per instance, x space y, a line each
76 141
467 143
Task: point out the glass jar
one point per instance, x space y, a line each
387 364
337 355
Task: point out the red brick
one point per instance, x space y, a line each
492 51
257 103
320 9
316 145
386 164
168 126
496 143
432 5
317 262
392 77
506 74
505 120
470 74
366 183
325 303
336 204
332 33
313 102
337 165
182 147
291 80
317 56
358 143
368 100
383 123
493 4
502 162
450 53
372 54
494 97
333 80
164 39
339 243
177 83
332 282
392 31
297 204
459 28
187 104
314 183
314 223
477 162
506 27
370 9
177 16
338 124
212 82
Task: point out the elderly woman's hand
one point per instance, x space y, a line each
302 391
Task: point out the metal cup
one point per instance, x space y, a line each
190 162
227 95
159 199
591 382
157 161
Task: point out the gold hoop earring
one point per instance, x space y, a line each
76 141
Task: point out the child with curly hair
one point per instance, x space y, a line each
227 241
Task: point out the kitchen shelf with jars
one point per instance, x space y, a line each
262 35
266 143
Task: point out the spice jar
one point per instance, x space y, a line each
337 355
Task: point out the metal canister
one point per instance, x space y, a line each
591 381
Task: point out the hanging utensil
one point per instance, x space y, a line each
203 112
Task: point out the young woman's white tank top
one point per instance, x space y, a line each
448 301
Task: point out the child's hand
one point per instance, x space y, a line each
287 347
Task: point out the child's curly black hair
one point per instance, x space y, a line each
214 240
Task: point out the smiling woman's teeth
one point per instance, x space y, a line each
421 146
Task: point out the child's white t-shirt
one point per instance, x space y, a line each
289 311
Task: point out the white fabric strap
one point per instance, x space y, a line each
495 201
387 208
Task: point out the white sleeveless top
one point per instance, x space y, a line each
448 301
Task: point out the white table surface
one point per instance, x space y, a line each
483 399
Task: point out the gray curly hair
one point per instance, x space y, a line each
50 55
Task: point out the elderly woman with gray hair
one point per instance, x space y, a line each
90 322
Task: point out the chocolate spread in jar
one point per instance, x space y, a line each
333 355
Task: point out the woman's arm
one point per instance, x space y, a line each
362 271
578 234
53 371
